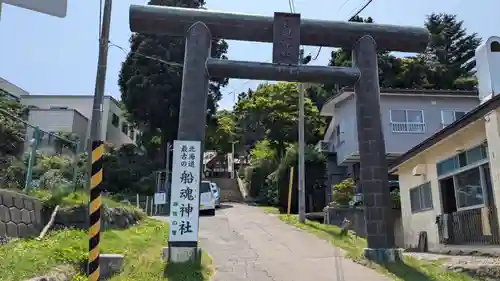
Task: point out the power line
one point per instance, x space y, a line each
35 127
350 18
361 9
291 4
111 44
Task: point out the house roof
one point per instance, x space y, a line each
346 92
473 115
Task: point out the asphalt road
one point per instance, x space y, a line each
247 244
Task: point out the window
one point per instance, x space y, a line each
132 133
469 191
450 116
495 47
407 121
125 128
421 198
338 134
115 120
463 159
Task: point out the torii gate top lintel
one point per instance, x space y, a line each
257 28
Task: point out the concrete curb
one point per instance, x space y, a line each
244 190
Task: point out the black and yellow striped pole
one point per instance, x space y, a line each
95 203
97 147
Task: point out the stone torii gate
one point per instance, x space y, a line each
287 32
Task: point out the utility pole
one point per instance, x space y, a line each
302 187
232 163
95 125
96 149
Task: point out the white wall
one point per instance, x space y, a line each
414 223
83 104
56 120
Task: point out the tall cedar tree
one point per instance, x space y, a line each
150 90
447 63
451 51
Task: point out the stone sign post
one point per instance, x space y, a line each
287 32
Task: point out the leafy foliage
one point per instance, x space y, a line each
220 137
11 131
150 89
343 192
447 63
128 171
271 112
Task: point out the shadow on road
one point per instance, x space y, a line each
406 272
183 272
225 206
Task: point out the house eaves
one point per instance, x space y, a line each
344 93
472 116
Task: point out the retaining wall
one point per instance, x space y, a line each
335 216
20 215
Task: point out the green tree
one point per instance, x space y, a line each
220 137
271 112
450 54
151 89
126 170
11 131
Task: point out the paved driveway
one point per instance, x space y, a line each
247 244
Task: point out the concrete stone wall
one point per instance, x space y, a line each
20 215
335 216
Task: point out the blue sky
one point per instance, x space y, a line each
48 55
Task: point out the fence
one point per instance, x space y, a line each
146 203
25 174
469 227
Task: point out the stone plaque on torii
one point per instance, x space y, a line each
287 32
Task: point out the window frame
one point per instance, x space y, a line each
113 118
482 186
125 128
454 111
406 122
422 207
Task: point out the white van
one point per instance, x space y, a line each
207 198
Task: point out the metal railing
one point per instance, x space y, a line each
469 227
408 127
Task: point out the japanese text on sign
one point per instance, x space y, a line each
286 44
184 209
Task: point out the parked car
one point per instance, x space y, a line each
207 198
216 192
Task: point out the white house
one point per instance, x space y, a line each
72 113
450 182
11 90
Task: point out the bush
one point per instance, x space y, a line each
128 171
396 199
343 192
263 163
12 173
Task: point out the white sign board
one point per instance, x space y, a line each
55 8
160 198
230 162
185 201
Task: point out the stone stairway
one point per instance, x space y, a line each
229 190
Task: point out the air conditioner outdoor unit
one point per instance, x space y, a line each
323 146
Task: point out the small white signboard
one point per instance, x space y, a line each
185 202
230 162
160 198
55 8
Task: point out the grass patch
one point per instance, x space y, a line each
141 245
73 199
410 269
269 209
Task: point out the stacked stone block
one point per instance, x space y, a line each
20 215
